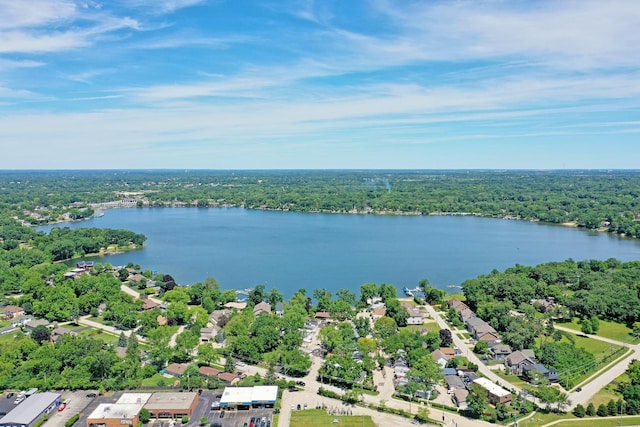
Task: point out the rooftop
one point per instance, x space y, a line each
134 398
116 410
491 387
26 412
171 400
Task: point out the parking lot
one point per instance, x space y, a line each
78 400
239 418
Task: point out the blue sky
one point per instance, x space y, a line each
246 84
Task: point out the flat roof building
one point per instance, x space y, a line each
30 411
124 412
172 405
263 396
496 393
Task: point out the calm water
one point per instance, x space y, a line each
242 248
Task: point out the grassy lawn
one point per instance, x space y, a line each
99 335
432 326
158 381
99 319
320 418
9 337
540 419
513 379
604 422
611 330
598 348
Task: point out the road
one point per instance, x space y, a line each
482 368
310 397
84 320
593 385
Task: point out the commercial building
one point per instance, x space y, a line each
172 405
126 411
263 396
496 393
31 410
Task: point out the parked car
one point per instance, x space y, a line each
61 407
91 395
301 383
10 395
222 414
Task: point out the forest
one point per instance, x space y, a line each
604 200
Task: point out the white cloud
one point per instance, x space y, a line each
18 14
7 64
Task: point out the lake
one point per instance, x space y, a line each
242 248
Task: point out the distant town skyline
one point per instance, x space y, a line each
326 84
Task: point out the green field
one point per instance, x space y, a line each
320 418
611 330
604 422
99 335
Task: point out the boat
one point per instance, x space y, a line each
408 293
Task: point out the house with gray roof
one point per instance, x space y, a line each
31 410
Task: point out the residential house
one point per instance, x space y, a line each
12 311
137 278
495 393
377 313
280 309
30 326
262 308
323 315
60 331
21 320
544 305
176 369
459 398
500 351
415 316
148 304
207 371
516 361
400 368
219 315
457 304
228 377
466 314
209 334
481 330
536 370
448 351
454 382
440 358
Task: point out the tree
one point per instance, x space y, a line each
477 401
446 339
481 347
602 411
591 409
368 291
229 364
144 416
426 370
323 296
41 334
579 411
257 294
385 327
207 354
122 340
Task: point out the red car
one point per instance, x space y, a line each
61 407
